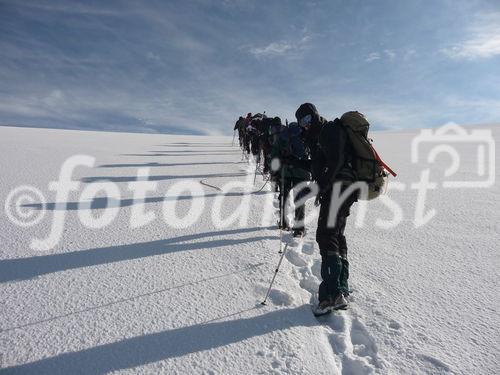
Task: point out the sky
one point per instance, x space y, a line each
192 67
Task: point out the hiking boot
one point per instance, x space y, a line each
324 307
339 302
299 232
283 226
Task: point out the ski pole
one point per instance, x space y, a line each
282 200
275 273
234 134
255 174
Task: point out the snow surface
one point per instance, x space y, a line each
187 301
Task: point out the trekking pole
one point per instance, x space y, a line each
282 199
255 174
257 164
275 273
234 135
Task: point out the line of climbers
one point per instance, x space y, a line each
339 158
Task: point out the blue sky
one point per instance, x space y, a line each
194 66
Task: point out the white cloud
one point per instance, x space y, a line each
482 41
390 54
409 54
152 56
488 107
273 49
55 98
387 53
81 9
282 47
373 56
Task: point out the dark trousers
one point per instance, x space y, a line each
255 148
240 137
299 213
266 151
246 143
333 246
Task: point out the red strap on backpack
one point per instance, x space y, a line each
383 163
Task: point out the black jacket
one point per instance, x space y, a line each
239 124
332 157
331 154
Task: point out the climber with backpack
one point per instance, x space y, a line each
341 156
290 144
265 140
239 127
254 131
245 124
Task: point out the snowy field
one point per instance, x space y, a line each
156 299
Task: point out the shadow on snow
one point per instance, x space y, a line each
104 202
154 164
160 178
27 268
142 350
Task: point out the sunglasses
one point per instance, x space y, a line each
305 121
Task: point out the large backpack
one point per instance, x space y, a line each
367 164
291 139
290 143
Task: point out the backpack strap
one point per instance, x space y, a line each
383 163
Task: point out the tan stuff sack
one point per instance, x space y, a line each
367 164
